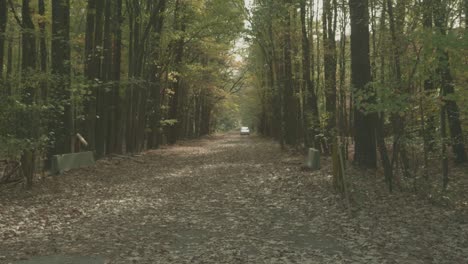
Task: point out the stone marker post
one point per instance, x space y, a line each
313 159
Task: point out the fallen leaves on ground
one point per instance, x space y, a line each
224 199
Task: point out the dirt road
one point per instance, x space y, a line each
223 199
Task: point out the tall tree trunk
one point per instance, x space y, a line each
386 163
311 118
398 122
430 127
43 46
93 53
100 94
90 73
9 65
364 123
42 28
155 79
129 91
343 124
28 66
447 87
134 93
179 25
3 25
103 98
466 14
28 47
288 84
115 132
61 69
443 135
329 58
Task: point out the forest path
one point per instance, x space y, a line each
222 199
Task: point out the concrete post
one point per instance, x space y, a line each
313 159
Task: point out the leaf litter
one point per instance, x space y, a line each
224 199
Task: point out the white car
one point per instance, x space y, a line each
244 131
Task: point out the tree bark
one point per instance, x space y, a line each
447 87
398 121
28 67
289 114
99 80
329 58
115 139
90 73
155 79
466 14
430 127
104 95
3 25
61 69
311 118
364 123
179 25
43 46
42 30
28 47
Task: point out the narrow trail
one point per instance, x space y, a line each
223 199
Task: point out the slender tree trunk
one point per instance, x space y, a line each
373 12
364 123
61 69
104 94
28 47
447 87
386 163
3 25
466 14
9 66
430 127
100 89
288 86
42 30
129 91
155 79
179 25
329 58
443 135
399 144
115 133
274 80
318 65
311 111
28 66
343 123
43 47
90 73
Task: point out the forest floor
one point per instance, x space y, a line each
224 199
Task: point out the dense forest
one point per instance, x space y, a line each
233 131
123 75
376 82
